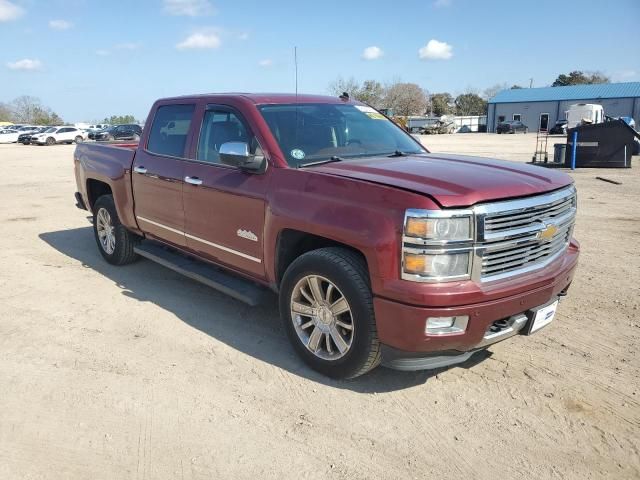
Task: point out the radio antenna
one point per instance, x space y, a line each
295 63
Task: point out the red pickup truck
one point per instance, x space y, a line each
380 251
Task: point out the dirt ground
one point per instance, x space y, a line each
138 373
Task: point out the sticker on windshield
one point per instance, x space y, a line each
370 112
297 154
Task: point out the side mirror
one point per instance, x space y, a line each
237 154
171 125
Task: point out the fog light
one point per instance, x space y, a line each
446 325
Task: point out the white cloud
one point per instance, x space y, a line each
442 3
26 64
188 8
9 11
435 50
372 53
103 53
200 40
267 62
60 24
243 36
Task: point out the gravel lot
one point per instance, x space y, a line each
138 373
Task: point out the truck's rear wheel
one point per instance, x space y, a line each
114 241
327 308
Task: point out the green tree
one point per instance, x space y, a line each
516 87
470 104
372 93
5 113
442 104
578 77
119 119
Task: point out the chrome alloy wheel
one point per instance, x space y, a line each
106 231
322 317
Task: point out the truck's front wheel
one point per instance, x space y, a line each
327 308
114 241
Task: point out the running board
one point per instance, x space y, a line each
236 287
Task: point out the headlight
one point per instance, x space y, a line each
437 265
437 246
439 229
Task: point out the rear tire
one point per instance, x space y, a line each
79 139
339 313
114 241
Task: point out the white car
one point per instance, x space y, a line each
9 136
54 135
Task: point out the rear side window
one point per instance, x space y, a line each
169 130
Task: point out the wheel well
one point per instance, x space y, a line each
293 243
95 189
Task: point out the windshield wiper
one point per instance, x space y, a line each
328 160
398 153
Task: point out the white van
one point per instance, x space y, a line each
584 113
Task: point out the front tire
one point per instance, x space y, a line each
326 305
50 141
114 241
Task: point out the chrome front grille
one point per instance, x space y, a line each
518 236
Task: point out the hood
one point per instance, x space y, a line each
452 180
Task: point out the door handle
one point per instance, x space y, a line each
140 169
193 180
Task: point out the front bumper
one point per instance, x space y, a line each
401 327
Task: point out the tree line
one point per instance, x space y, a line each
405 99
29 110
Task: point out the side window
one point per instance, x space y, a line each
218 127
64 130
501 118
517 117
169 130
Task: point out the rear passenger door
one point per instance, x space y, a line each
158 174
224 206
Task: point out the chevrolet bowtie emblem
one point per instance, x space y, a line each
547 233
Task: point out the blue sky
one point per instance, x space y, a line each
89 59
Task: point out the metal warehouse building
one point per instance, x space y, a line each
541 107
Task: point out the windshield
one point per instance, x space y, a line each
50 130
310 133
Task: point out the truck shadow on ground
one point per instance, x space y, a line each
255 331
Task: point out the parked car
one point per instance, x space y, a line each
54 135
119 132
379 251
9 136
512 126
560 128
25 138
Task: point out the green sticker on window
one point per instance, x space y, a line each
297 154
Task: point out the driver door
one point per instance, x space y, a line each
224 207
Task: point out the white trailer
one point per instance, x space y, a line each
584 113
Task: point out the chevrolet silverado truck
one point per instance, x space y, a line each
379 251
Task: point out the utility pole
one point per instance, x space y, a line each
531 83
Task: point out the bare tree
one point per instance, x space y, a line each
494 90
24 108
341 85
406 99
